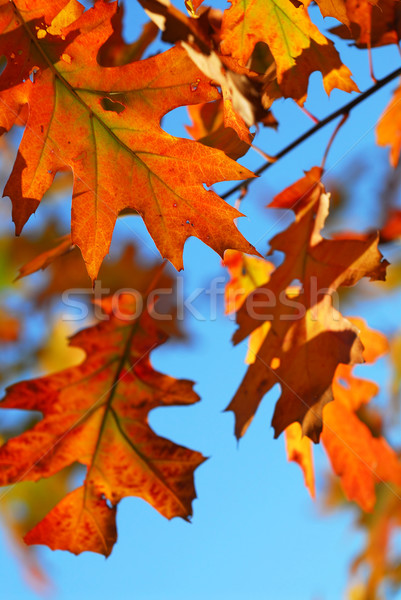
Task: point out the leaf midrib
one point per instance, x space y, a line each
92 114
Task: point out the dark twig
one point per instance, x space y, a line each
337 113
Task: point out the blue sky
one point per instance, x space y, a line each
255 532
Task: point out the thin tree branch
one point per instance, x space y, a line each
337 113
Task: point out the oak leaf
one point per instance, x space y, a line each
307 337
379 558
116 52
391 230
297 45
360 457
216 124
333 8
300 450
388 131
113 116
371 24
246 274
44 259
96 414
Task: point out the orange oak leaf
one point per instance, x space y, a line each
391 230
379 557
96 414
116 52
216 124
297 45
246 274
243 105
307 337
9 327
359 457
299 450
388 131
43 260
371 24
333 8
100 121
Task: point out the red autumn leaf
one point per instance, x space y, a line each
96 414
356 455
307 337
113 117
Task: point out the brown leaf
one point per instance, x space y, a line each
64 245
307 337
372 24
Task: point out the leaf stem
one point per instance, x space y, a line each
332 138
308 114
337 113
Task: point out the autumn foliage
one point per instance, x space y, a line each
90 105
